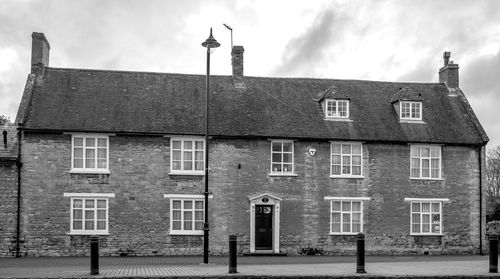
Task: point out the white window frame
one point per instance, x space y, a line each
183 198
282 172
428 159
193 140
421 213
414 115
345 175
335 114
96 147
89 196
345 200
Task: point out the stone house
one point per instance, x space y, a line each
296 164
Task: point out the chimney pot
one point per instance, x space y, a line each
446 56
237 63
40 49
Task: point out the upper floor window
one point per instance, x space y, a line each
281 157
425 162
337 108
346 159
89 213
411 110
90 153
187 156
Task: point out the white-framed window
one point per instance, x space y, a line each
346 214
90 153
346 159
426 216
425 161
282 157
187 214
89 213
337 108
187 156
411 110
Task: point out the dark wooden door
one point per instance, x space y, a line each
264 227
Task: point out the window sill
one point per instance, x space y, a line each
347 176
426 234
88 233
344 234
187 173
186 233
283 174
412 121
337 119
77 171
429 179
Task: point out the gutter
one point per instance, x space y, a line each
480 200
19 165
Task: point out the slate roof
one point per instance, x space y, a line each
141 102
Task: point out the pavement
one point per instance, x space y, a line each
249 267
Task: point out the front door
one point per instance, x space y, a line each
263 227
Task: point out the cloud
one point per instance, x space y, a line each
302 53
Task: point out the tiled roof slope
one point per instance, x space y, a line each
117 101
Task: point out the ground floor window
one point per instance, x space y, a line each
426 216
346 215
186 214
89 213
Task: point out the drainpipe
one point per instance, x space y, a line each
480 200
19 165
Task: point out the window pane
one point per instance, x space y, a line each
276 168
90 153
101 203
78 163
425 228
335 217
346 206
335 227
176 155
336 148
346 170
426 207
435 207
188 225
415 207
415 228
336 207
346 224
426 218
199 145
199 166
188 144
90 163
287 147
356 149
415 151
77 214
287 167
77 203
101 153
176 215
415 218
77 225
176 144
102 164
356 227
188 204
102 142
356 217
336 170
346 149
198 215
101 225
90 142
276 157
101 214
198 204
198 155
188 165
89 225
356 160
425 168
336 159
287 157
277 146
176 225
89 203
356 206
198 225
426 152
176 204
78 142
78 152
356 170
188 155
89 215
176 165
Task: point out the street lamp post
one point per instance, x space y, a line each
210 44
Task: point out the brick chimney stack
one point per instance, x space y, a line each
39 53
448 74
237 63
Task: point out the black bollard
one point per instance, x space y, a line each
232 254
493 238
360 254
94 255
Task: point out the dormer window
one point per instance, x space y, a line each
411 110
337 108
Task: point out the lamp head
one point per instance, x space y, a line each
211 42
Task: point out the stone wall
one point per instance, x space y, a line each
139 214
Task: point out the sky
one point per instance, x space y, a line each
387 40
